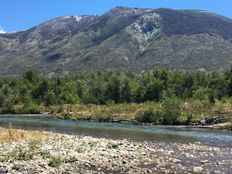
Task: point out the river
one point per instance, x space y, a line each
167 134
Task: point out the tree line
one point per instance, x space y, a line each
114 87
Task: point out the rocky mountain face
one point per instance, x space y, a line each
125 39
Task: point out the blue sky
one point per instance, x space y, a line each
23 14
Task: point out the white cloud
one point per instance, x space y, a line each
2 30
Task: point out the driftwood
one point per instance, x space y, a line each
212 120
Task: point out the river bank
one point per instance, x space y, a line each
46 152
193 113
226 126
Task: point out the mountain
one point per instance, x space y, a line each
125 39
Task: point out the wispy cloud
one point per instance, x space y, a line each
2 30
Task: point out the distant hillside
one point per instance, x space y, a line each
127 39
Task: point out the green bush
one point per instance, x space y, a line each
201 94
149 116
171 111
20 154
30 109
8 108
55 161
112 145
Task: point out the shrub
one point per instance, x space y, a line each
112 145
8 108
201 93
20 154
55 161
71 159
34 144
149 116
60 109
189 119
171 110
45 154
30 109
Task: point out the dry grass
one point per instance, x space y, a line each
7 135
95 112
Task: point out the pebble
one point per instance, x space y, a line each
94 155
197 169
204 161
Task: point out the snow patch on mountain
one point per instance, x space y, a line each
78 18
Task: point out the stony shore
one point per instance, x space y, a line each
47 152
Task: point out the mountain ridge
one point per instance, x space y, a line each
124 39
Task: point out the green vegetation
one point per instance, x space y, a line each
161 96
111 145
149 116
21 154
55 161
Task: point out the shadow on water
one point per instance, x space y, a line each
167 134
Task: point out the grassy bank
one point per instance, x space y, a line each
170 112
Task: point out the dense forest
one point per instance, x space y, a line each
113 87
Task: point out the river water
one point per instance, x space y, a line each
168 134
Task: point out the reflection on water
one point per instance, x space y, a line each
119 131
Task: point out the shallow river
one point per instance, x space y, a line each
120 131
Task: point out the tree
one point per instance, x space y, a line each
94 94
218 84
41 91
229 86
30 76
2 99
201 93
80 90
153 91
112 91
126 92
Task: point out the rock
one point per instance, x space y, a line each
204 161
143 153
176 160
157 157
197 169
212 120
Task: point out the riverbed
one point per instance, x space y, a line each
93 147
